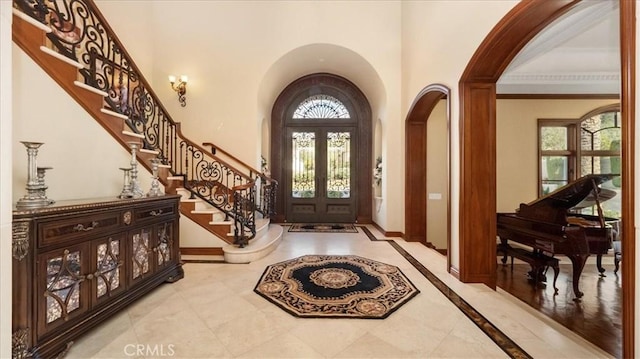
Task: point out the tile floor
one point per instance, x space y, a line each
213 312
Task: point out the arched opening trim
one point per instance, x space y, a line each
416 164
477 226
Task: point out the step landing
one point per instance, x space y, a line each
257 247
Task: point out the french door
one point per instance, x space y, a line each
320 166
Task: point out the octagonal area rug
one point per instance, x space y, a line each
333 286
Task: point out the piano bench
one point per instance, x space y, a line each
538 261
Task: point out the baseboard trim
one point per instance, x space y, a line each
454 272
387 234
201 251
442 251
430 245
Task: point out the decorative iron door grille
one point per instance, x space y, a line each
319 175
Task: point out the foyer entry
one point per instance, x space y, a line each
320 182
321 151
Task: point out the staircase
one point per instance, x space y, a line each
73 43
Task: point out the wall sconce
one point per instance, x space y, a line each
180 87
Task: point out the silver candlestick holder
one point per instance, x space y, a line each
135 185
126 187
36 188
155 184
43 187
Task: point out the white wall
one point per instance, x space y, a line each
437 176
84 157
5 179
439 38
240 55
228 48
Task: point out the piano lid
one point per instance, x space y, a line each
590 200
579 192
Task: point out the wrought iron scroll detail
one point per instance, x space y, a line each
321 106
20 240
244 210
81 33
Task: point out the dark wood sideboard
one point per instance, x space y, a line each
77 263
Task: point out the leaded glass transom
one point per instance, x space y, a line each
321 106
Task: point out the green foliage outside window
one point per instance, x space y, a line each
553 138
555 168
615 164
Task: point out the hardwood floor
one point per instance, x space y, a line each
597 317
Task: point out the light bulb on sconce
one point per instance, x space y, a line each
180 87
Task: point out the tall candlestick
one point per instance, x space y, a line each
36 188
155 184
135 185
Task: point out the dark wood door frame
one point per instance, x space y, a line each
358 103
415 195
477 262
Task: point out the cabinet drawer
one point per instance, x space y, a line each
147 214
74 228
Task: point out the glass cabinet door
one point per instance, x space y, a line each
141 246
108 262
164 245
63 283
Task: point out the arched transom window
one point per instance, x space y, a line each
321 106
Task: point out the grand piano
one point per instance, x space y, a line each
551 224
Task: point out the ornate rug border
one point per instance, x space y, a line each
280 305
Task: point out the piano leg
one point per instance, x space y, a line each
599 265
577 261
556 270
504 248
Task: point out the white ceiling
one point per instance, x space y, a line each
579 53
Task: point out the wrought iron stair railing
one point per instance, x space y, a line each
81 33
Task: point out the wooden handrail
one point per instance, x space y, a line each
215 149
169 139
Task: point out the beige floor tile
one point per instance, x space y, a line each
125 345
214 313
246 332
101 337
412 334
371 346
329 336
282 346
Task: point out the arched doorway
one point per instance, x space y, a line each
478 143
321 151
416 163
